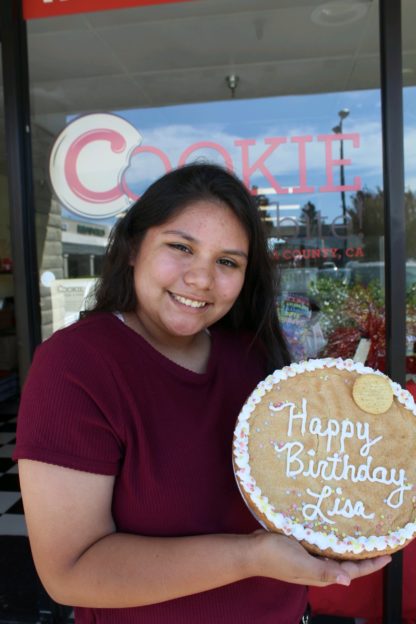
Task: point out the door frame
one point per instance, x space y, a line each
20 181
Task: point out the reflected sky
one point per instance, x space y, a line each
174 129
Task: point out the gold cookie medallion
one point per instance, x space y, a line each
372 393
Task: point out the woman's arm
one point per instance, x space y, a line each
83 561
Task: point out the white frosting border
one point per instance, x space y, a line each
348 544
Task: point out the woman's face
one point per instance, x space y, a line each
190 270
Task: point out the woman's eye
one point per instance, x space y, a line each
227 262
180 247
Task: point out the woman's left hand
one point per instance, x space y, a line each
284 558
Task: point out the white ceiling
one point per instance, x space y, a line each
180 53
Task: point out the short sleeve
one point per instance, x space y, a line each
69 412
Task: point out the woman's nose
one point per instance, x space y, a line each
200 276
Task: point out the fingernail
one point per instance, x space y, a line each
343 580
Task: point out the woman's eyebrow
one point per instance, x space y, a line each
191 239
235 252
182 234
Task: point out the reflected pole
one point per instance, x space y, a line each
342 114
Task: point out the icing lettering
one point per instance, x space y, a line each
343 430
292 457
344 508
337 466
311 512
348 510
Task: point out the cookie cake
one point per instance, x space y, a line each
325 451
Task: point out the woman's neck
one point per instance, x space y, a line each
191 352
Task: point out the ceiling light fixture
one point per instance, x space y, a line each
232 82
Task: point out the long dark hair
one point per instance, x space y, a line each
255 308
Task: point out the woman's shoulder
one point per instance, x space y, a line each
81 353
88 333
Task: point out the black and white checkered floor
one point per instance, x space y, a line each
22 598
12 520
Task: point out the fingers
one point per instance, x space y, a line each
329 572
356 569
284 558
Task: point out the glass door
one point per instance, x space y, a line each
297 118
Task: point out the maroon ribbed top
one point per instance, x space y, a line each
99 398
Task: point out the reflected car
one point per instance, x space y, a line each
366 272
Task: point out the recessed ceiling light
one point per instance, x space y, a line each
339 13
407 70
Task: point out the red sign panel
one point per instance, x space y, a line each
49 8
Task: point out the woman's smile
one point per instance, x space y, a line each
189 302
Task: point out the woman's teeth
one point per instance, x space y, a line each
189 302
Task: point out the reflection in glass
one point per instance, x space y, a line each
298 121
409 113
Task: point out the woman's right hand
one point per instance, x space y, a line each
284 558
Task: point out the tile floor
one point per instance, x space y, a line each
22 598
12 520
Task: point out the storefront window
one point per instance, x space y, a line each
297 118
409 106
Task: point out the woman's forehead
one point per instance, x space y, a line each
204 222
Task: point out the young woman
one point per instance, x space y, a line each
126 423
